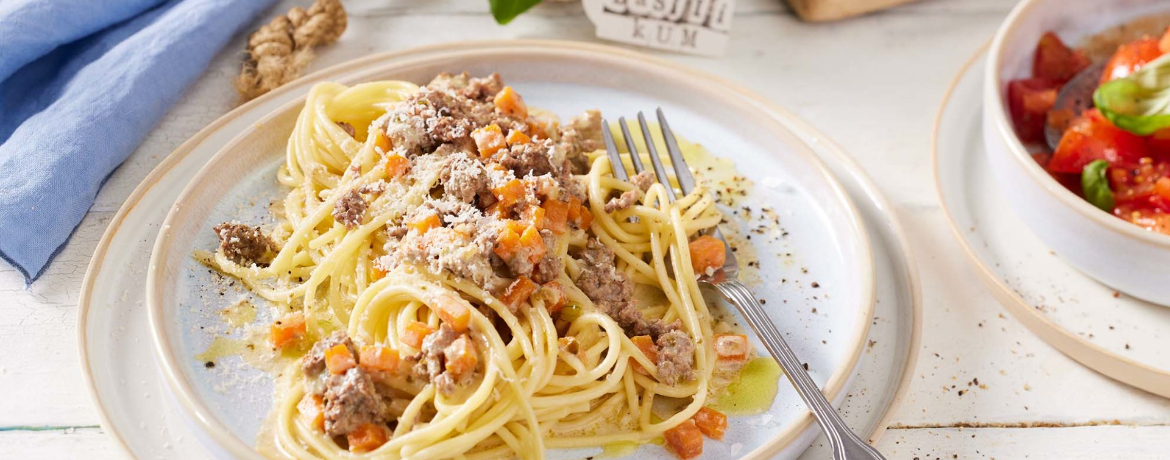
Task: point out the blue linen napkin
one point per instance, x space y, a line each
81 84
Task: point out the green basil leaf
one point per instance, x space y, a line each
1096 185
1140 102
506 10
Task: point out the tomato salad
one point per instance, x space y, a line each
1116 154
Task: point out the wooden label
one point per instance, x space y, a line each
688 26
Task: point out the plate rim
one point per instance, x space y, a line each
1120 368
873 193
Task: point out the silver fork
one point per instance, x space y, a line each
846 445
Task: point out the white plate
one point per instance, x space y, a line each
113 327
1114 334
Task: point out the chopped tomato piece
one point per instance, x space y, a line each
415 332
685 440
338 359
731 347
367 437
425 224
1091 137
510 102
396 165
711 422
460 356
515 137
553 296
1159 143
519 292
556 214
313 408
509 193
382 142
377 357
646 344
1137 186
1029 101
288 331
1162 188
489 140
707 253
1055 61
1130 57
453 311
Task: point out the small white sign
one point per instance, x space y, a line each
688 26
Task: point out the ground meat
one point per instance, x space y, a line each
445 111
528 159
245 245
581 135
613 292
464 178
430 362
548 269
351 400
314 361
676 357
642 182
350 209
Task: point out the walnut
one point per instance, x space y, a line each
279 51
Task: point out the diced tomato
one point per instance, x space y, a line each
396 165
646 344
1130 57
1138 185
733 348
711 422
338 359
313 408
556 215
380 358
367 437
288 331
1159 143
515 137
685 440
707 253
415 332
460 356
519 292
1029 101
455 312
425 224
489 140
510 102
1055 61
1091 137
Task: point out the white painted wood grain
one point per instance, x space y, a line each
872 83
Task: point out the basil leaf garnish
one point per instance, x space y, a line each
1096 186
1140 102
506 10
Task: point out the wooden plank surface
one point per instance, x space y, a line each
872 83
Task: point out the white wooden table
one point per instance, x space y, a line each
872 83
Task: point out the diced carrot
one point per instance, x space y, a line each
288 331
425 224
460 356
509 193
532 241
507 244
313 408
731 347
379 272
707 252
685 440
711 422
453 311
367 437
396 165
579 213
518 292
1164 43
509 102
534 216
586 218
556 214
382 141
415 332
538 130
553 296
489 140
377 357
569 344
515 137
338 359
646 344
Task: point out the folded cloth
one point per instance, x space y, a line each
80 87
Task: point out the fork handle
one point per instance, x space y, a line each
846 445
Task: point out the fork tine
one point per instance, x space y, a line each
615 159
658 169
634 156
686 181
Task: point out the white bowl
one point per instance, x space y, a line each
1117 253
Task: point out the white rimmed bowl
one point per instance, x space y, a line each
828 237
1121 255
